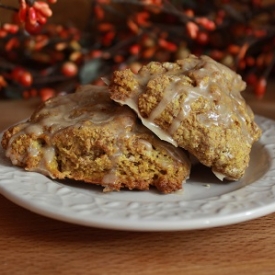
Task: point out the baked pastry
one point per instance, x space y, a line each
86 136
194 103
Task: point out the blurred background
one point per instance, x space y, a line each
85 40
76 11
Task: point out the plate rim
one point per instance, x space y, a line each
152 225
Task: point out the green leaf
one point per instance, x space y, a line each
90 71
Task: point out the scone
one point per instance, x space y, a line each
86 136
194 103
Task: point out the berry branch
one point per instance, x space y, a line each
42 59
6 7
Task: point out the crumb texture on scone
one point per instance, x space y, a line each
194 103
86 136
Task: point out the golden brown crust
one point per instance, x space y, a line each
87 137
197 103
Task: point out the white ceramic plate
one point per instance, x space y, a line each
205 202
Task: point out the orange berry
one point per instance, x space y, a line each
149 53
251 79
99 12
233 49
216 54
132 26
202 38
46 93
206 23
167 45
96 53
12 43
135 49
22 14
25 79
11 28
32 16
192 29
3 33
250 60
260 88
22 76
189 12
3 82
108 38
118 58
69 69
32 29
104 27
16 73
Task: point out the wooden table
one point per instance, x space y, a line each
33 244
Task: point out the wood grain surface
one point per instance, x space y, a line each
33 244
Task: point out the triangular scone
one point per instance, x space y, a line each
194 103
86 136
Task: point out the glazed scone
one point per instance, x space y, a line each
86 136
194 103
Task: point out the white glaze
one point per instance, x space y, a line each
89 104
208 75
